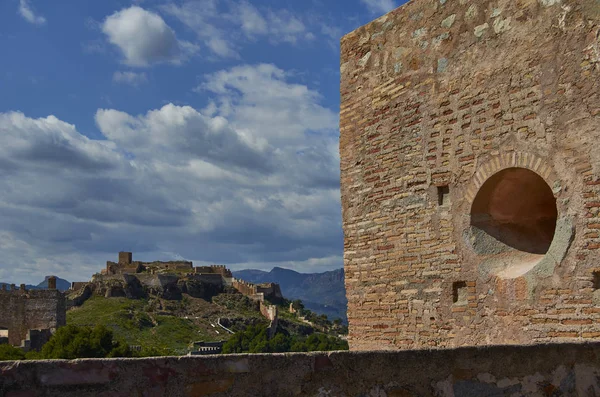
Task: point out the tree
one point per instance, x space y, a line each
70 342
10 353
254 339
298 305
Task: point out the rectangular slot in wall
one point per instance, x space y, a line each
596 279
459 293
443 195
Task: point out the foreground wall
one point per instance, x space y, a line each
543 370
470 174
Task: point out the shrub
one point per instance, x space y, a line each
71 341
9 353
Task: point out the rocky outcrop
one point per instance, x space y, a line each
140 286
200 289
78 297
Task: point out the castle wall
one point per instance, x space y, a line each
244 287
208 278
171 265
78 285
222 270
559 369
258 291
203 269
469 177
213 269
270 313
32 309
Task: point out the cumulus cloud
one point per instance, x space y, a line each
50 142
174 130
223 25
279 26
259 97
203 16
225 184
379 6
27 12
131 78
144 38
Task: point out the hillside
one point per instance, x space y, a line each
165 313
322 293
168 326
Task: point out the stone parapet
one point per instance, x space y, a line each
555 369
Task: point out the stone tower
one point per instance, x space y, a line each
469 174
52 282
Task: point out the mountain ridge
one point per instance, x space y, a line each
61 284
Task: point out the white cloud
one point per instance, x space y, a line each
379 6
253 178
181 130
260 99
131 78
284 26
278 26
144 38
203 16
49 141
223 26
252 22
26 12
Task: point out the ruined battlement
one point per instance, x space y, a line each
127 265
258 291
214 269
30 293
470 182
24 310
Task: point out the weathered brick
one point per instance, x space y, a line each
441 133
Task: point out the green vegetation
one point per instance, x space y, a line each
169 327
71 341
10 353
132 322
303 316
255 340
238 303
109 327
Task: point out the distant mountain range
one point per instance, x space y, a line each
322 293
61 284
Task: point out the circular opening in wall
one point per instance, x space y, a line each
513 220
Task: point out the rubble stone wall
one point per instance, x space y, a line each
560 369
449 103
22 310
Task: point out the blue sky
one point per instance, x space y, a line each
204 130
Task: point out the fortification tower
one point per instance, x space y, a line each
469 174
23 310
125 258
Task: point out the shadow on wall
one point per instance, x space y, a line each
518 209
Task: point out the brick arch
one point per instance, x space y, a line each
501 162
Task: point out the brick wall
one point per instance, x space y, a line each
22 310
436 98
